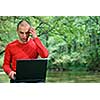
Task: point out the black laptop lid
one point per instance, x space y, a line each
31 70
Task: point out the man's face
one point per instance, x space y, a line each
23 32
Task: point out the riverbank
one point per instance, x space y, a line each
64 77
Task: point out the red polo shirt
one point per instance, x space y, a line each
16 50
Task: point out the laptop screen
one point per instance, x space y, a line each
31 70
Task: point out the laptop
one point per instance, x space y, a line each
31 70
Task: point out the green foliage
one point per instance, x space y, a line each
73 41
1 61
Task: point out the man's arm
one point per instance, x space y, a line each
41 49
6 64
7 59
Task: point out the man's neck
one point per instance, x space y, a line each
24 42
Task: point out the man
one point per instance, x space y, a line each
24 48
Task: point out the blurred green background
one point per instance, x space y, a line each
73 43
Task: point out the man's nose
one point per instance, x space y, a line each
24 34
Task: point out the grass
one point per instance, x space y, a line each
73 77
4 78
65 77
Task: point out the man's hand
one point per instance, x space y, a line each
33 32
12 75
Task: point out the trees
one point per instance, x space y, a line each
73 41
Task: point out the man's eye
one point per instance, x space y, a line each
21 32
27 32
